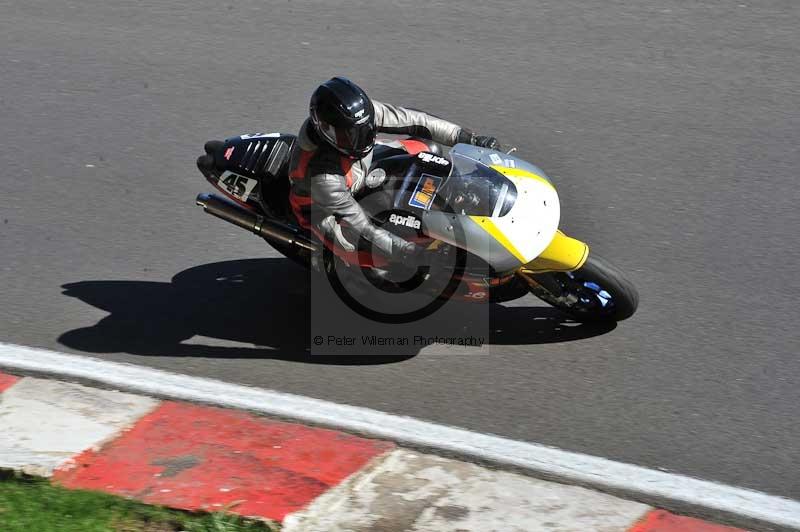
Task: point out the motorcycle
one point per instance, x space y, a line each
487 219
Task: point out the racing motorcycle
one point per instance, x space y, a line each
487 219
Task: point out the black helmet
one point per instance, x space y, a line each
343 116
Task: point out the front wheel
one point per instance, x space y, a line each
597 291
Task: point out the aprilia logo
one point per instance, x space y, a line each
408 221
431 158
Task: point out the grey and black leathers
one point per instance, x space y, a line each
321 176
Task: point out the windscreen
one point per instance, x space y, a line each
474 189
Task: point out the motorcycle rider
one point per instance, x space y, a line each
334 157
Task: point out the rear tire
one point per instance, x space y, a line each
598 291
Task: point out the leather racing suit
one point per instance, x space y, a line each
323 178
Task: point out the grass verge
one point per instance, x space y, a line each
34 505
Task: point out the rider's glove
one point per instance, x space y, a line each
484 141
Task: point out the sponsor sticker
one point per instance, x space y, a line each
422 197
408 221
499 161
259 136
228 153
476 295
431 158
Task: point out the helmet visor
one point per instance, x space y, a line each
356 140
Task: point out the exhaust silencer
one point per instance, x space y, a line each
267 229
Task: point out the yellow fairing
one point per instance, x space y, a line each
562 255
498 234
519 172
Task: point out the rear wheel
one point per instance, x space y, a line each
598 291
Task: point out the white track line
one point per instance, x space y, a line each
645 484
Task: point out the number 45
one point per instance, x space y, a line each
235 184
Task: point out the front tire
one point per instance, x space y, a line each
596 292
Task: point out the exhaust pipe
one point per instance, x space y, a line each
267 229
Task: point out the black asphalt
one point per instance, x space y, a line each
671 129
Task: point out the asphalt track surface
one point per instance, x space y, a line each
671 129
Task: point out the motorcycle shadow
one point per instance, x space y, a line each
266 304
